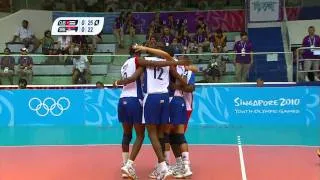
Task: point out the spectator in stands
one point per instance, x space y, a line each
25 65
22 84
215 68
118 29
131 24
26 36
99 85
202 25
47 42
95 40
158 24
243 59
219 41
152 43
80 41
185 41
182 25
201 40
170 23
81 71
260 82
311 41
7 66
64 45
176 46
150 34
167 37
90 54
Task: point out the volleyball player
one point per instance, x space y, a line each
188 96
178 119
318 152
129 108
180 111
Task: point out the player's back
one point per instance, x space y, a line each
132 89
156 79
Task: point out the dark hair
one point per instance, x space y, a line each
8 49
219 31
46 32
25 21
99 83
128 13
243 33
132 51
311 27
22 83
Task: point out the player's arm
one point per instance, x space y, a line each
130 79
175 74
190 87
142 62
156 52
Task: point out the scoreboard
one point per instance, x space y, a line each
77 26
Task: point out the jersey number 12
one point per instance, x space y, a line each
157 73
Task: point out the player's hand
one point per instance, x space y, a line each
139 48
115 84
192 68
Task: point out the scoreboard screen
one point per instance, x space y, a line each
77 26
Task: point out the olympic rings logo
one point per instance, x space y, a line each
49 105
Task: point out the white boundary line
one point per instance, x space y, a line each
242 165
98 145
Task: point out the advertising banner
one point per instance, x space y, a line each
213 106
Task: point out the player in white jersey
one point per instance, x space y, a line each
129 106
188 96
130 112
178 119
156 109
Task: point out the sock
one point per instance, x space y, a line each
125 157
185 156
129 162
167 156
163 166
178 160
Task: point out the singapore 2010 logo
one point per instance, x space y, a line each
49 106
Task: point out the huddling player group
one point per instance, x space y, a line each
156 95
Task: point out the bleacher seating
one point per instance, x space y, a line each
140 38
105 68
56 70
101 47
